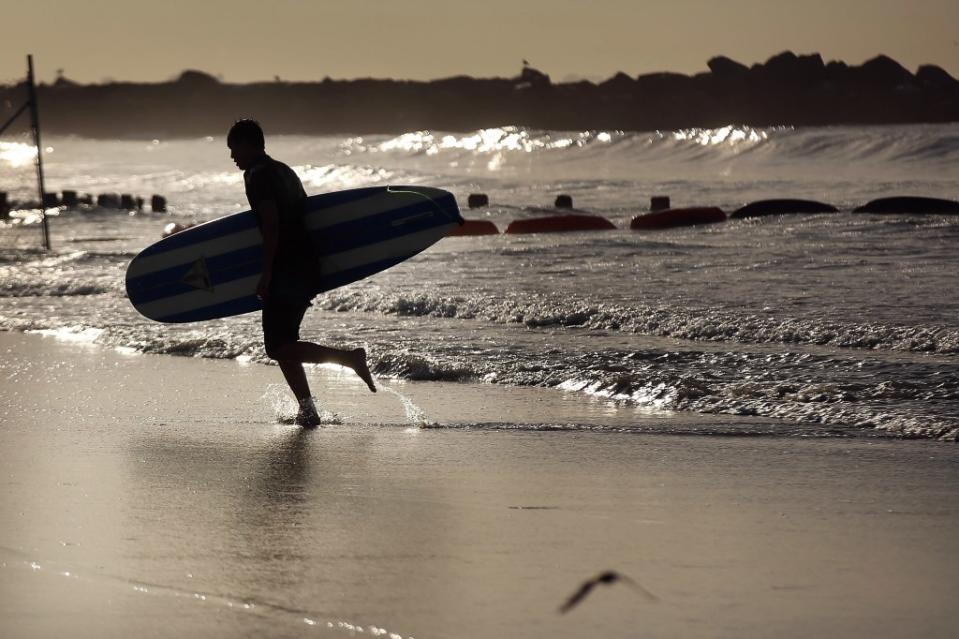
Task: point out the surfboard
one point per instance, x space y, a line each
211 270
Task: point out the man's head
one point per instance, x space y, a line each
246 143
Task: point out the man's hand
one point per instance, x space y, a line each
263 286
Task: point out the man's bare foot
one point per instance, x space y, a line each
307 416
307 419
359 365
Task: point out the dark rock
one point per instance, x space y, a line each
51 200
563 201
837 71
883 71
664 83
933 77
64 83
619 82
724 67
530 77
194 78
127 202
787 89
69 198
787 68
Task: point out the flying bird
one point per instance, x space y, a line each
608 577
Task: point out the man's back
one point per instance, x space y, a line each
296 264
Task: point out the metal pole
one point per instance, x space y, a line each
35 125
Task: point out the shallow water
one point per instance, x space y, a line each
832 324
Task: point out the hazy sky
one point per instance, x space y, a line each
246 40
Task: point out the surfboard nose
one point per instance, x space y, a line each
444 200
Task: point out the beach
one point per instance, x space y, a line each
153 495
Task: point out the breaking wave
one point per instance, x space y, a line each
663 321
786 144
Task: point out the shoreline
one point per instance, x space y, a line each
574 406
168 492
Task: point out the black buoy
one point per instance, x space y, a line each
659 203
909 204
780 207
476 200
158 204
108 201
69 198
563 201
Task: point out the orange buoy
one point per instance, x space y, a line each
474 227
677 217
560 224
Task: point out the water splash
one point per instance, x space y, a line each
414 414
285 407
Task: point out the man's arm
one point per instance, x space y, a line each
270 227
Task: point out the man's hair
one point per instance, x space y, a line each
246 130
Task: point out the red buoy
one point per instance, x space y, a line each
677 217
560 224
474 227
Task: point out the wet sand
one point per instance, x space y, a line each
158 496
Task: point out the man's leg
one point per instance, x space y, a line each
293 355
296 379
281 325
281 331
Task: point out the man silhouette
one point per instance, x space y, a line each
290 264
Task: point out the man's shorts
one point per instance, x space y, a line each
281 322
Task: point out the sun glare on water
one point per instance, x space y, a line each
730 135
17 154
492 140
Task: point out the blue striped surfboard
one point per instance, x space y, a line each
211 270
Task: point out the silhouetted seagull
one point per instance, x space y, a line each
608 577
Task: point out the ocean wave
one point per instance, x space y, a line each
751 428
736 384
662 321
848 397
832 404
65 287
415 367
914 144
